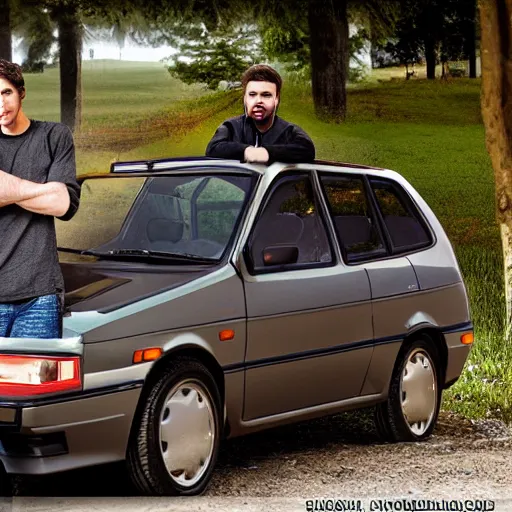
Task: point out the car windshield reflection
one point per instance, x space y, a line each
193 216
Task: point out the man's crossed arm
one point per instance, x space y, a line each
50 198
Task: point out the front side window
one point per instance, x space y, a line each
189 215
218 207
351 214
290 219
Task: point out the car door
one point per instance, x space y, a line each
363 242
397 286
363 212
309 330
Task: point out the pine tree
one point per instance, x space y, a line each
211 56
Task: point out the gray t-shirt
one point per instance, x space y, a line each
29 264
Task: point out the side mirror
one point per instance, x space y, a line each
280 255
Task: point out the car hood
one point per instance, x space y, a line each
106 286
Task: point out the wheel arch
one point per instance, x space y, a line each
191 351
390 423
433 333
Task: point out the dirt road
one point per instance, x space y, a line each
337 457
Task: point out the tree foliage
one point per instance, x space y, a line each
438 30
211 56
5 30
32 23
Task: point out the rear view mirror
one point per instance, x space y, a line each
280 255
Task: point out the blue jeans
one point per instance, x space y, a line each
33 318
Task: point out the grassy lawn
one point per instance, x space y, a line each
114 92
431 132
125 104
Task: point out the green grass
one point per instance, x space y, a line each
485 387
430 132
121 101
115 93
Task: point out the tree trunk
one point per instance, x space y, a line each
430 57
5 31
496 99
328 28
470 38
472 57
70 61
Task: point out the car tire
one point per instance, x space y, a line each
411 410
6 488
175 441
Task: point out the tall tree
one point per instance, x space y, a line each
69 17
5 30
328 32
33 25
320 30
70 28
496 99
213 55
469 27
119 33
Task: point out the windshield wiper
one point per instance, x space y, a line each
144 253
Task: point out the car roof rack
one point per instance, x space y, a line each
154 164
163 164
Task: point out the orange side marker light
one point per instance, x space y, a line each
467 339
148 354
226 335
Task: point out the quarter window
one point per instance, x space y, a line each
402 222
291 218
352 217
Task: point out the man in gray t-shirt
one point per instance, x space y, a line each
37 183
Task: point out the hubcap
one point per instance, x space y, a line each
187 432
418 390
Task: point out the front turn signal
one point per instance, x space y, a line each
148 354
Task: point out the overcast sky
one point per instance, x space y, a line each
105 50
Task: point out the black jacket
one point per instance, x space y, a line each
285 142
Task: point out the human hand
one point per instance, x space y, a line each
256 155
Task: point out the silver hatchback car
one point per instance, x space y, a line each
209 298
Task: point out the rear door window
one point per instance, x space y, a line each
354 221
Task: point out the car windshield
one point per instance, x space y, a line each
186 216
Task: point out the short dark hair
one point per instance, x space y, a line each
262 73
11 72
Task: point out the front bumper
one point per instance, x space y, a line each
85 430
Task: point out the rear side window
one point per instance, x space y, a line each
351 213
401 218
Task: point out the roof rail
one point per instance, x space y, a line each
344 164
163 163
153 164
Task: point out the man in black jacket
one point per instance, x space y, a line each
259 135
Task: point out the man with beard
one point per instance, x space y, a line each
259 135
